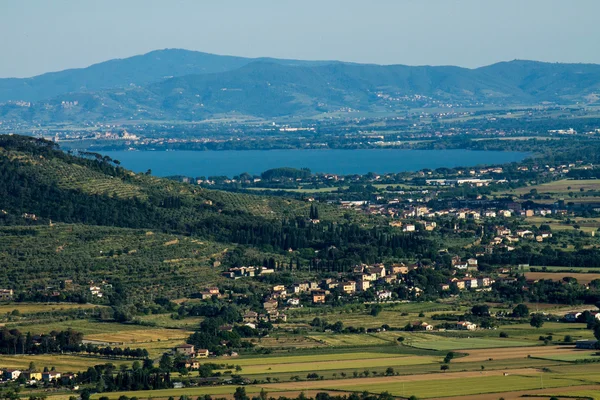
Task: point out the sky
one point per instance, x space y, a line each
41 36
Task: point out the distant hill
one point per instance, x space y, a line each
205 85
119 73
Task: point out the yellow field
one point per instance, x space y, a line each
141 335
63 363
558 276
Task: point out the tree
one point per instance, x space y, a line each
449 357
520 311
389 371
445 367
376 309
165 363
481 310
537 320
240 394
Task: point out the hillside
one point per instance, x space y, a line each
205 86
120 73
110 214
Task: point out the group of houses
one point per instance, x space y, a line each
12 374
376 278
505 239
191 355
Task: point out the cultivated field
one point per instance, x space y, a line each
35 308
63 363
563 186
583 278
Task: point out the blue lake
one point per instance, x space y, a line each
343 162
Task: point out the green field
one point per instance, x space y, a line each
348 339
437 342
585 355
561 187
63 363
338 365
36 308
462 387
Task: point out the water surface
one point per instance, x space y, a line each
343 162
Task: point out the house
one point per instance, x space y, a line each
96 291
250 316
459 264
460 284
6 294
362 285
470 283
318 297
32 375
300 287
409 228
465 326
484 282
384 295
11 374
586 344
293 302
270 305
472 263
210 292
399 269
349 287
50 376
422 326
202 353
545 234
185 349
192 364
525 233
502 231
378 270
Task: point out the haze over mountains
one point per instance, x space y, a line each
186 85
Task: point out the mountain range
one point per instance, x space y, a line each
177 84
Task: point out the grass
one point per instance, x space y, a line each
63 363
437 342
463 386
341 364
563 187
194 391
583 394
165 321
36 308
348 339
574 356
140 335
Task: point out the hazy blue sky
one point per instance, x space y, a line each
42 35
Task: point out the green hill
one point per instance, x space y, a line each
87 218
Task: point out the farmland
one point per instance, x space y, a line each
562 187
65 363
583 278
